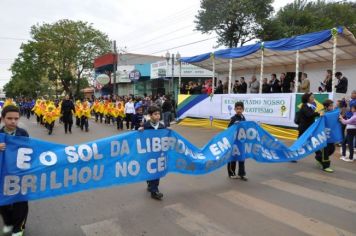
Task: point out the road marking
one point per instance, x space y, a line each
293 219
326 198
106 227
328 179
345 170
197 223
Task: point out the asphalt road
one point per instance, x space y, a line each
279 199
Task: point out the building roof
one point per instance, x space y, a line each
134 59
313 47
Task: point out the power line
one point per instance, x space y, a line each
184 45
171 39
12 38
162 29
176 15
160 36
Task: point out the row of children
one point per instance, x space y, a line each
306 117
47 112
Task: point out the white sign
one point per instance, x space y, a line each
103 79
187 70
123 73
278 107
265 108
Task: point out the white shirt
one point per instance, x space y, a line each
130 108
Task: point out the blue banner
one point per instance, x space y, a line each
32 169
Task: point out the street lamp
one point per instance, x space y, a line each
172 58
180 71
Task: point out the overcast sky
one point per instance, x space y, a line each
146 27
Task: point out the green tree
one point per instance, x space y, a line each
235 22
68 48
63 51
28 77
304 16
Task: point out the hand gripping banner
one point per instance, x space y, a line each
32 169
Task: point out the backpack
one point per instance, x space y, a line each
297 118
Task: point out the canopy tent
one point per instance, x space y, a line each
323 46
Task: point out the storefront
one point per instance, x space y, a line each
163 82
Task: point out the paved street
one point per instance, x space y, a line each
279 199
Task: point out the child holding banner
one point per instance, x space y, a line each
14 215
155 115
231 166
322 157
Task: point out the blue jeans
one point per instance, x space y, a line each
167 118
350 141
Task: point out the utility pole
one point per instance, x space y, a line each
114 67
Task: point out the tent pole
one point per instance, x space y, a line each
230 77
296 72
213 79
262 64
334 34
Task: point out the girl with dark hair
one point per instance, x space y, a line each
307 113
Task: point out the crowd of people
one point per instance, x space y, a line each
274 85
111 110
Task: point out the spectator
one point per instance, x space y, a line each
243 85
167 111
275 84
219 88
266 88
350 135
352 103
326 85
196 88
236 87
226 86
254 85
341 86
305 84
182 89
209 88
199 88
285 84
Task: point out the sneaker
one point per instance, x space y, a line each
244 178
232 176
329 170
342 157
318 163
156 195
347 160
7 229
21 233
